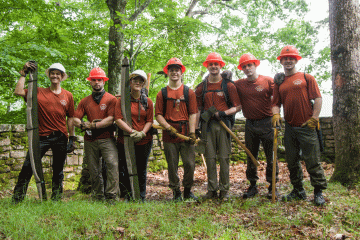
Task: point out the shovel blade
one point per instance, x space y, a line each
200 147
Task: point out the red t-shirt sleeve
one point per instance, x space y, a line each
159 105
80 110
150 111
193 108
118 114
71 111
313 87
112 105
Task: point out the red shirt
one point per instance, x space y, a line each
295 96
177 113
216 99
92 110
145 117
255 97
53 110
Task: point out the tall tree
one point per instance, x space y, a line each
345 55
120 19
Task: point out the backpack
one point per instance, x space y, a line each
224 89
165 98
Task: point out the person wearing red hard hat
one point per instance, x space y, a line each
55 113
294 91
176 110
142 117
99 107
255 93
218 91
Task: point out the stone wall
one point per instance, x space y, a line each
14 145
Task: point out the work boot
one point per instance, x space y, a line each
269 194
318 197
189 196
295 194
224 195
210 195
177 195
251 191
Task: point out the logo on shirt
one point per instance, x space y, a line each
297 82
102 107
63 102
220 94
259 88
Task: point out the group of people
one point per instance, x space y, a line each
180 110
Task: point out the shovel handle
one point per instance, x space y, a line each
177 134
273 196
239 142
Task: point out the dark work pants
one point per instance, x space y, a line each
57 143
303 144
142 153
257 131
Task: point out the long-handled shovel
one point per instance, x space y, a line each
273 193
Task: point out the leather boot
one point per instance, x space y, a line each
318 197
298 193
177 195
251 191
210 195
189 196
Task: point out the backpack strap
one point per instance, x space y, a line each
165 98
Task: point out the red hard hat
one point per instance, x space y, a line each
174 61
248 58
214 57
97 72
289 51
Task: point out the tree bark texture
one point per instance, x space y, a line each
345 59
116 45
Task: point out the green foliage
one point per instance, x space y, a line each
75 33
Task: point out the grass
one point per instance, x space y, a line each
78 217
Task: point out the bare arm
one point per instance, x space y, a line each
276 110
192 122
19 89
103 123
161 120
76 122
317 107
71 126
147 127
123 125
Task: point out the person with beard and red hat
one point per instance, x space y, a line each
99 140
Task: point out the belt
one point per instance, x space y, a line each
53 134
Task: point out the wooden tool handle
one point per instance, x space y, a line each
177 134
273 196
239 142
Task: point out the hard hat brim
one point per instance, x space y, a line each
257 63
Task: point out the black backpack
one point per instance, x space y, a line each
224 89
165 98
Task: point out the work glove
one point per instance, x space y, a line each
172 131
29 66
312 123
137 135
198 133
279 78
192 137
222 116
85 126
276 120
71 144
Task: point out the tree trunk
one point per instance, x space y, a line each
345 55
116 45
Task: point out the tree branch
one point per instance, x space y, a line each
139 10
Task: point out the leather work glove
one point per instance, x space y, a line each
312 123
192 137
222 116
172 131
276 120
137 135
85 126
29 66
198 133
71 144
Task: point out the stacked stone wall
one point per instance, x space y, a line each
14 145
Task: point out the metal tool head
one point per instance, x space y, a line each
206 116
200 146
